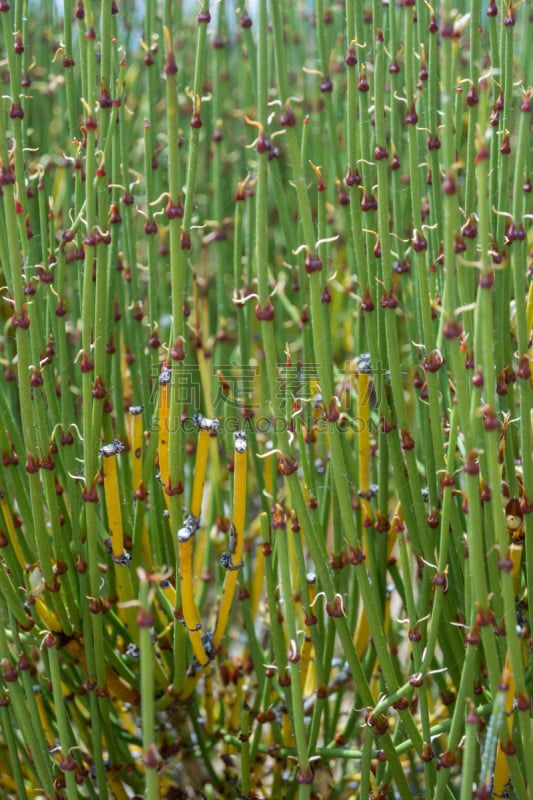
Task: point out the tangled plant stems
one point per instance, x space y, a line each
266 405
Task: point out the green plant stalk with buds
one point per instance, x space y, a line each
309 226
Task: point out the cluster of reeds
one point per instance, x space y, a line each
266 404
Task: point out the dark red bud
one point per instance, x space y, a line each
32 464
380 152
459 244
406 440
389 299
448 184
471 466
368 202
16 112
353 177
526 103
336 607
245 21
367 304
174 210
171 67
313 263
326 295
177 352
490 419
469 229
362 83
419 242
452 329
472 97
505 147
524 369
196 120
411 117
477 378
265 313
351 59
287 117
20 319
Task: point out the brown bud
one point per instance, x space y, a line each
170 67
406 440
524 369
336 607
367 304
452 329
286 465
177 352
471 466
411 117
351 58
505 147
287 117
265 313
313 263
362 83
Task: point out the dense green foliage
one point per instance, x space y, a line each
309 223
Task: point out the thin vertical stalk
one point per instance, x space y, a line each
145 621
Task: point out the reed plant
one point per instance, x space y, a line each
266 484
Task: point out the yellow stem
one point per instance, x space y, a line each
235 711
47 616
233 559
125 609
118 687
13 538
515 550
164 408
206 380
286 727
44 716
7 781
362 633
146 548
127 387
191 680
112 497
136 439
202 449
114 521
117 789
169 591
501 768
191 614
200 553
257 581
